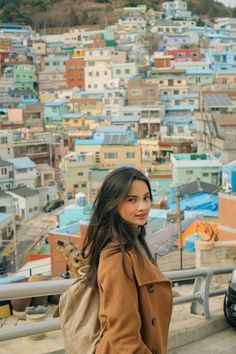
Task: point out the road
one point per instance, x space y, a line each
26 234
223 342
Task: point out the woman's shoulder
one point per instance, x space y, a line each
114 262
111 251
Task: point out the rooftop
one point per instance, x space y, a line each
24 192
192 157
22 162
4 216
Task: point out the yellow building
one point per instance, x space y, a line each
111 146
73 120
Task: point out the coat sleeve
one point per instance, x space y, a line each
119 302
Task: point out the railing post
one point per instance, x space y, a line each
202 287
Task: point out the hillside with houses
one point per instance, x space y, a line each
155 90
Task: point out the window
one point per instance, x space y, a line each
189 172
111 155
118 71
80 173
180 129
136 92
97 157
4 140
130 155
170 82
30 210
127 71
35 208
205 174
3 171
22 170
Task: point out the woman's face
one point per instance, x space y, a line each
137 204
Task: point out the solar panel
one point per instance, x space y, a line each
216 100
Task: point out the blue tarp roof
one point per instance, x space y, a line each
205 203
22 162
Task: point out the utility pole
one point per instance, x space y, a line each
178 219
63 167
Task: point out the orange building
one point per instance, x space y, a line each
227 219
163 61
185 54
75 73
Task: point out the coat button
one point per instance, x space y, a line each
154 322
151 288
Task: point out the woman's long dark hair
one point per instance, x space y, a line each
106 224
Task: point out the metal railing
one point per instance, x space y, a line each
199 298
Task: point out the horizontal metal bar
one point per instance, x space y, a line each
194 273
32 289
187 298
224 270
217 292
29 329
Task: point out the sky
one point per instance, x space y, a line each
231 3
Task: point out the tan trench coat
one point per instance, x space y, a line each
136 308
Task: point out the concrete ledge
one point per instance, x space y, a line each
195 329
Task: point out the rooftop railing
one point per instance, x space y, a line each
199 298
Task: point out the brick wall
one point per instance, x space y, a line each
227 217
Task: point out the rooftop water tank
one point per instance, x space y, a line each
233 181
80 199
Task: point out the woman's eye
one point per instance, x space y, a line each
132 200
147 197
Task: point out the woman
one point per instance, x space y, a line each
135 297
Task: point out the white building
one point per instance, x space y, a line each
6 203
113 101
98 68
124 71
7 228
176 9
26 202
6 143
24 171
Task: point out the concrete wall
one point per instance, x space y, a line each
216 254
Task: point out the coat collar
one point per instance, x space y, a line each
145 271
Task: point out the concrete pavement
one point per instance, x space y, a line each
223 342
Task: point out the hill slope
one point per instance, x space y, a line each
58 13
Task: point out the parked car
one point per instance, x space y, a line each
230 301
53 205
